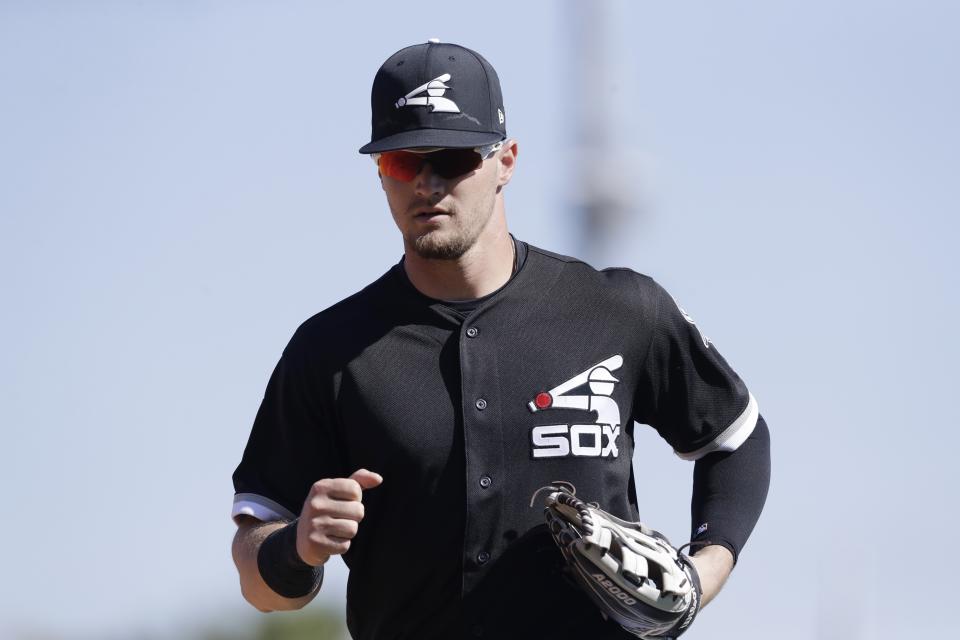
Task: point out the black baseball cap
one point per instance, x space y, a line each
435 94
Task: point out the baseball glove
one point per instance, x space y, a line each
630 571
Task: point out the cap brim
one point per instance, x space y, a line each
421 138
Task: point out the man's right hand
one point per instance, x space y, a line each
331 514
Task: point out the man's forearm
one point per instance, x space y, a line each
246 545
729 491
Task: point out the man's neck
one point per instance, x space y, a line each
483 269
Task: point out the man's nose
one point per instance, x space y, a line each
427 182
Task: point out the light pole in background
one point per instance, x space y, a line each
604 189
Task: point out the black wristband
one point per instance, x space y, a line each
282 568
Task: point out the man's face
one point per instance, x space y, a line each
442 218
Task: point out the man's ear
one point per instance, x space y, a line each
506 162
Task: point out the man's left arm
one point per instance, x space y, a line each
729 491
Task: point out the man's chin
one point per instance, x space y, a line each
433 246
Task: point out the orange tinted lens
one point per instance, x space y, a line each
400 165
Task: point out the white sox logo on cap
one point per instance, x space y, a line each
434 98
594 440
434 95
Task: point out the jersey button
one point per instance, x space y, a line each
485 481
481 404
483 557
472 332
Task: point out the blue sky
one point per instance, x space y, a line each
180 189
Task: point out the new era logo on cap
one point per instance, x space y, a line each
435 95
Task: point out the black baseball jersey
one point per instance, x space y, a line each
466 414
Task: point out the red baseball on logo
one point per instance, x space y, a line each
543 400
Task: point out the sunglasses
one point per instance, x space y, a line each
446 163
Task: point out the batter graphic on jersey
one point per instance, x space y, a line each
599 439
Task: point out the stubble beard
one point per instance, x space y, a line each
460 234
441 245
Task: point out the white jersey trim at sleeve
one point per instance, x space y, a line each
261 508
731 437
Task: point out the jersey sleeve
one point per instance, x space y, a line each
292 443
687 391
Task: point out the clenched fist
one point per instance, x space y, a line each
331 514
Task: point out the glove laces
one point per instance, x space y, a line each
564 493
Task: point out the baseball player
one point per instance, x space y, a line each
406 427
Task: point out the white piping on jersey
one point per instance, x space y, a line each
261 508
733 436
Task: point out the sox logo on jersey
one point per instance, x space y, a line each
590 440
